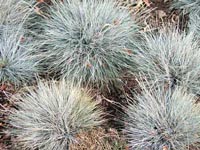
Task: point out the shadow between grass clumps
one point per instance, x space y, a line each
115 98
6 91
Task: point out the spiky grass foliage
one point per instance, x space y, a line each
17 64
49 116
127 3
193 8
13 12
188 5
194 23
13 15
86 40
37 12
163 119
170 56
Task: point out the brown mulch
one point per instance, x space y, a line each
3 147
99 139
161 15
6 91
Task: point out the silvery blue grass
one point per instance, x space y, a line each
193 8
49 116
194 22
188 5
163 119
34 20
170 56
86 40
18 65
12 12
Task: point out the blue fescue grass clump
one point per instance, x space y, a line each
50 116
86 40
170 56
18 65
18 61
163 119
